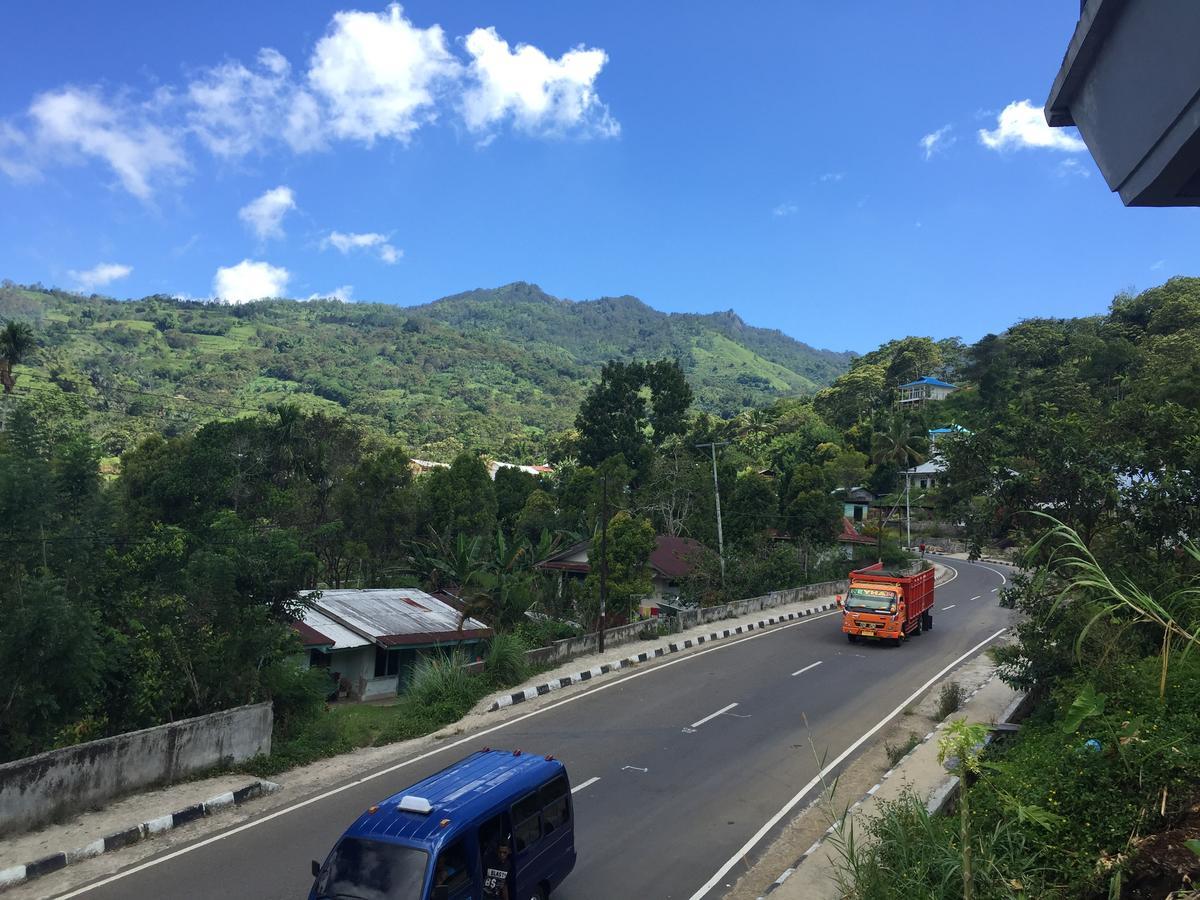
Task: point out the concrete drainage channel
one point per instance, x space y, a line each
15 875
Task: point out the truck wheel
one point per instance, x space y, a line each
920 625
852 638
927 619
896 642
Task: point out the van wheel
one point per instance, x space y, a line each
542 894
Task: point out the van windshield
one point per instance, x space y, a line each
873 599
372 870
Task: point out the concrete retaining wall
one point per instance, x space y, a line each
54 785
569 648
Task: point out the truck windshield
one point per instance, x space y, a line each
372 870
870 599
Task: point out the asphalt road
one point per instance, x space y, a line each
691 761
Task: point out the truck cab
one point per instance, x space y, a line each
884 604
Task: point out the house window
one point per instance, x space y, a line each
318 659
387 661
924 483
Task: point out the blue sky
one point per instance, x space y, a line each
847 173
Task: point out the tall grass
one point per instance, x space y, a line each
442 679
505 663
905 853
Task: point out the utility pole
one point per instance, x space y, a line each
907 507
717 493
603 555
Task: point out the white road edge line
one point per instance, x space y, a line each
1003 577
951 606
710 717
975 597
469 739
791 804
588 783
806 668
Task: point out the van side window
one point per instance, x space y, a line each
452 872
527 821
556 806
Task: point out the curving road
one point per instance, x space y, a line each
681 770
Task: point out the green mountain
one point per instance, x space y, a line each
498 369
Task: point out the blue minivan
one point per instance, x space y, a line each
496 824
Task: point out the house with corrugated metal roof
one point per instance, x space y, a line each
672 560
374 638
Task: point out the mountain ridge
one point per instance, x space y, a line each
500 369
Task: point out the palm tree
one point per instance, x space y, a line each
897 443
16 340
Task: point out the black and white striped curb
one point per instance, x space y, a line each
15 875
629 661
837 826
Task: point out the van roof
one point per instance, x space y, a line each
462 793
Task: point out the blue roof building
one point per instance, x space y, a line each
924 389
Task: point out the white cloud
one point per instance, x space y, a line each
344 293
832 176
265 214
235 111
936 141
14 154
139 152
345 242
372 76
540 94
1021 124
250 280
100 275
1068 167
785 209
380 75
1158 265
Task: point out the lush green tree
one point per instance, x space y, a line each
614 418
751 510
539 515
513 488
630 542
50 664
16 340
848 469
462 498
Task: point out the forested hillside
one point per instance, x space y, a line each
501 370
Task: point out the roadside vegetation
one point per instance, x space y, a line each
156 579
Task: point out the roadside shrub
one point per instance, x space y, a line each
297 695
950 699
442 678
544 632
505 663
897 752
656 628
907 853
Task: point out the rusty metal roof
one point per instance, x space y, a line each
392 616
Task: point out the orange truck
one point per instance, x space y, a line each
883 604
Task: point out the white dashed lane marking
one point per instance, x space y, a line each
806 668
951 606
588 783
709 718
